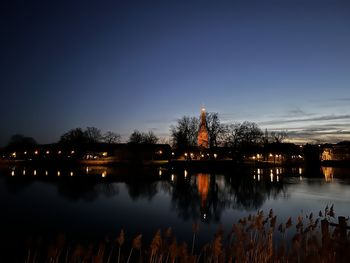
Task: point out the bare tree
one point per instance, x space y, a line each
93 135
250 133
150 138
73 137
141 137
215 128
185 133
240 134
231 134
279 136
135 137
111 137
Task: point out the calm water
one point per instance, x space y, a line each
89 203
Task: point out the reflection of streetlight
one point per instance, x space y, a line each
185 173
172 177
104 174
160 171
87 169
215 155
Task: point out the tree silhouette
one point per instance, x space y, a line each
74 137
150 138
185 133
93 135
111 137
138 137
215 128
20 141
279 136
243 134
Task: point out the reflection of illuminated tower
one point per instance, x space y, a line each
203 137
203 188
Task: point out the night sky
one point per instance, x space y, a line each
129 65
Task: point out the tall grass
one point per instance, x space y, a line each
255 238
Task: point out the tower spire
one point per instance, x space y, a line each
203 137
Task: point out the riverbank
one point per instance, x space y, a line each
257 238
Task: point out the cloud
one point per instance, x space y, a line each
296 113
321 118
331 133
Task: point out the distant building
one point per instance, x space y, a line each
337 152
203 136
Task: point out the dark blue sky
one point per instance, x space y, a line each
141 65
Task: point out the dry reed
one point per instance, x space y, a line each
252 239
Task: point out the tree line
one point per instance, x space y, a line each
183 134
89 135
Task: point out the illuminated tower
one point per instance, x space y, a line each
203 137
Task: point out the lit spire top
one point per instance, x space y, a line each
203 131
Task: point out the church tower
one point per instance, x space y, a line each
203 137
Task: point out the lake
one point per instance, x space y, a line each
90 203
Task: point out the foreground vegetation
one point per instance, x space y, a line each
256 238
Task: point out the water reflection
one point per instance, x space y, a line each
192 196
328 173
101 199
